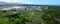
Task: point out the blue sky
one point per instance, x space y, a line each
41 2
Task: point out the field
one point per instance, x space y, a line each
45 16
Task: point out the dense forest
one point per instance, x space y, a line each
45 16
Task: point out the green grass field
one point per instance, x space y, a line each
30 17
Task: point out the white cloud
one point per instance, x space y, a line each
12 1
20 1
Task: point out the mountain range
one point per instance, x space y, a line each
6 3
2 3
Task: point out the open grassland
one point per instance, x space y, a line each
46 16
